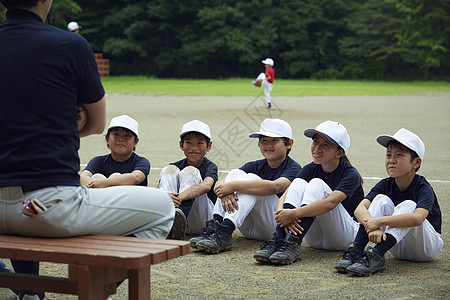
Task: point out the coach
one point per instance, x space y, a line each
50 95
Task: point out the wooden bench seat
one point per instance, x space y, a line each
96 263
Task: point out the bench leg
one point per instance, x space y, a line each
139 284
96 282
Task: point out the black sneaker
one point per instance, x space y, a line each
220 240
288 251
269 105
37 296
369 263
206 232
267 248
349 257
178 231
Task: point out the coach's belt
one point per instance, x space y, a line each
30 188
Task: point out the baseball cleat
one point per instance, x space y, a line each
349 257
267 248
206 232
369 263
288 252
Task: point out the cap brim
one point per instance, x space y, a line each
384 140
269 134
312 132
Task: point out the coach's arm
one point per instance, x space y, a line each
91 118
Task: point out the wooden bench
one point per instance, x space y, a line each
95 263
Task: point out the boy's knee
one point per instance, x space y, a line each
382 200
406 206
97 176
170 170
298 183
190 170
235 174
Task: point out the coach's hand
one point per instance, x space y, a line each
82 117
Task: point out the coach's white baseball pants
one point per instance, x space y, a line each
333 230
72 211
420 243
267 86
254 218
173 180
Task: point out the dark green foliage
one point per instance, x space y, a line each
323 39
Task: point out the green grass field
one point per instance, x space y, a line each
286 88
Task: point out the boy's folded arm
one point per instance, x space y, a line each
262 187
85 177
132 178
361 212
413 219
197 189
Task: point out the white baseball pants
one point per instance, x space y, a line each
267 87
172 180
254 218
72 211
420 243
333 230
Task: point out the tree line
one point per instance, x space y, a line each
319 39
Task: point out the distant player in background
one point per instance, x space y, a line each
74 27
266 79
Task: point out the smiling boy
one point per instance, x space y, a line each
122 166
400 214
248 195
190 181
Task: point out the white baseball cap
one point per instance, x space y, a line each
195 126
406 138
334 132
125 121
268 61
72 26
273 128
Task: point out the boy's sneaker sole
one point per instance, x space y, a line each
178 231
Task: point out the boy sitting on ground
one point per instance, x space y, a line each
122 166
190 181
400 214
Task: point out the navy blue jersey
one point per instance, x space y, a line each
106 165
45 73
419 191
344 178
207 169
288 169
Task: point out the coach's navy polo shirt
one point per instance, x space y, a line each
288 169
419 191
106 166
344 178
45 73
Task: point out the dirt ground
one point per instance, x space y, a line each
235 274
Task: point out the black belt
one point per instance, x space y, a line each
30 188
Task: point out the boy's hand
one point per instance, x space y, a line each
229 203
284 217
294 227
98 183
371 224
223 189
176 200
377 236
